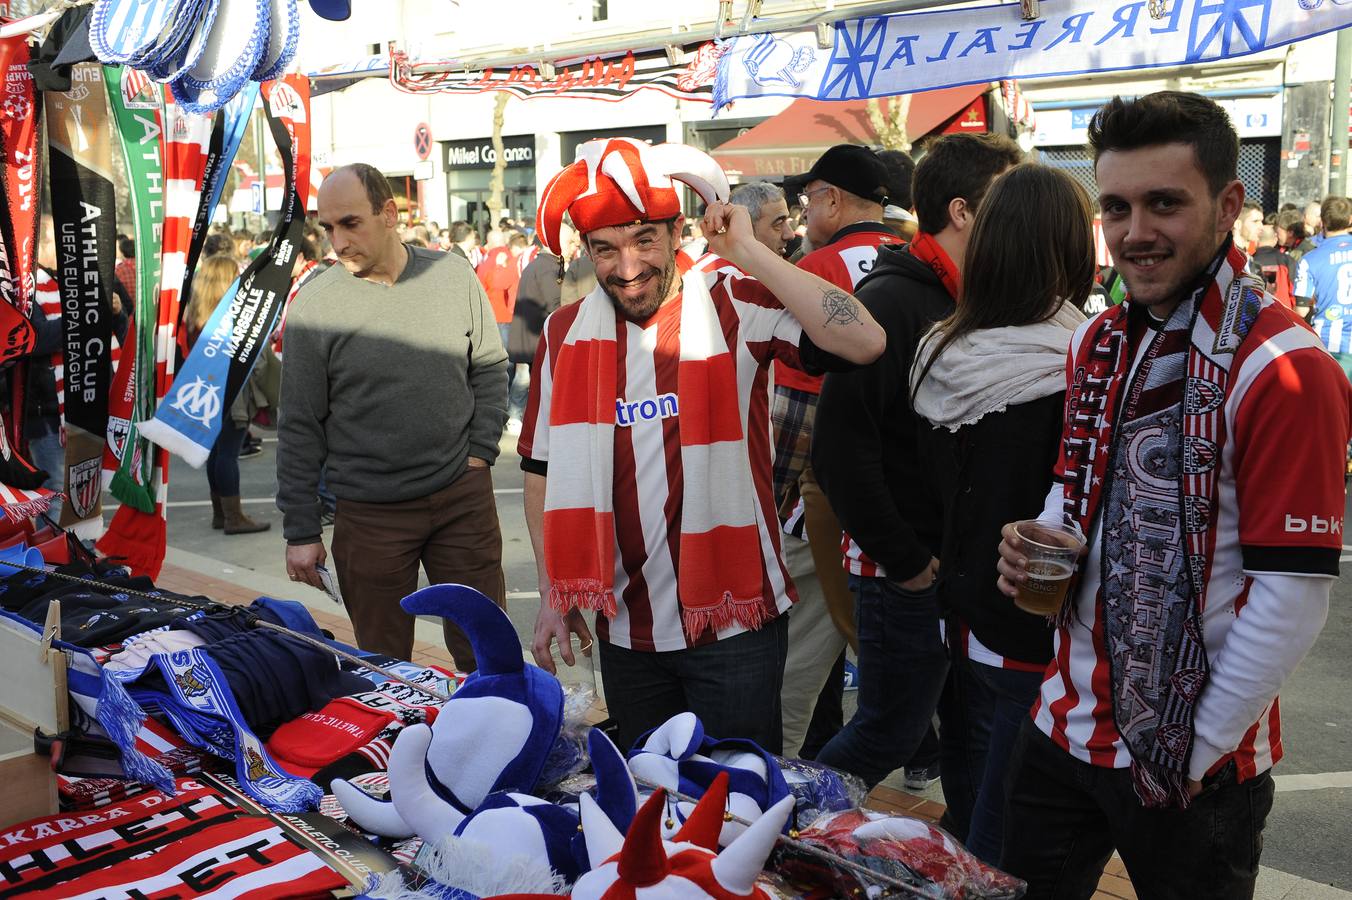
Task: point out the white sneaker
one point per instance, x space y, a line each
513 426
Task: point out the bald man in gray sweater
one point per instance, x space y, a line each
394 381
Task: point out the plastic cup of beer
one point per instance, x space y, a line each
1052 551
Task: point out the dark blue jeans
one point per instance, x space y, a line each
732 685
902 667
1066 817
223 460
980 714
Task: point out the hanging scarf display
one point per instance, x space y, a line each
16 332
137 533
236 334
1164 431
20 494
231 124
84 218
137 109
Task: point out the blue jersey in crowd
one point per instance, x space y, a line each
1325 276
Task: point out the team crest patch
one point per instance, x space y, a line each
1201 397
1199 455
84 486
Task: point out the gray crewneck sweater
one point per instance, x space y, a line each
391 386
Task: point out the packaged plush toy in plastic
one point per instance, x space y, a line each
909 850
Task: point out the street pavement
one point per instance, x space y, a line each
1305 851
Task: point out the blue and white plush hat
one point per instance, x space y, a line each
493 735
679 756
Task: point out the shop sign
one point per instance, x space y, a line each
519 151
1253 117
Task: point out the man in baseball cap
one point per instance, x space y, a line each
646 442
842 197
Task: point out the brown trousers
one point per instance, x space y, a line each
377 548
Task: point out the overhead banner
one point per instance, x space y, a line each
878 56
612 77
84 215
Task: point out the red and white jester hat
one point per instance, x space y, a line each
621 181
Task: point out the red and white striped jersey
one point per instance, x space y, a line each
647 467
1280 510
844 262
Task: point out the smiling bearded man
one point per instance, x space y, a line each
646 442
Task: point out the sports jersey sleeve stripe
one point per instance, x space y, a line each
1290 493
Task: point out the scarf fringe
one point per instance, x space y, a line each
748 613
1159 788
26 509
582 593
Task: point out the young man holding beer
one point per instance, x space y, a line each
1210 551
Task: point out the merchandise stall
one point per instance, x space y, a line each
158 745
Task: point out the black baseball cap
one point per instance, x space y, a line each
851 168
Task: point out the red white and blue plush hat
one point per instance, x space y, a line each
679 756
620 181
493 735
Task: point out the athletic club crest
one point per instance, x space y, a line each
84 484
285 103
119 429
1199 455
138 91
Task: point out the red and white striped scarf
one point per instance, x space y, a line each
719 575
139 537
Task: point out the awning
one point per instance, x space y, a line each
789 143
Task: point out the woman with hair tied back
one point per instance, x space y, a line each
991 380
212 280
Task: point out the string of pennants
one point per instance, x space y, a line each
609 78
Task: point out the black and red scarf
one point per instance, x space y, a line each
1143 449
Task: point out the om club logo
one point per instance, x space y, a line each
199 401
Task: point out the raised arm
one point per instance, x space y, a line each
834 320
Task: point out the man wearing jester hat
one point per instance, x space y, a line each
646 442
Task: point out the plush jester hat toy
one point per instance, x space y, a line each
687 867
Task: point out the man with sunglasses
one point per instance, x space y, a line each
842 196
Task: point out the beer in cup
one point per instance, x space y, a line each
1052 551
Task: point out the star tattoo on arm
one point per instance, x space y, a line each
840 308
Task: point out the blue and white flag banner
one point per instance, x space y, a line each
878 56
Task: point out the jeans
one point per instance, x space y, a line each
980 714
518 391
49 456
223 460
732 685
828 716
902 667
1066 817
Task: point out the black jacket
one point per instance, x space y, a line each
994 471
864 446
537 295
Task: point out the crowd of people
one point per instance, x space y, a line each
1049 510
